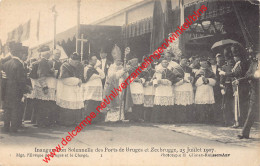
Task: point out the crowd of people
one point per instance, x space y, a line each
208 89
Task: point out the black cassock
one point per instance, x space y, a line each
56 64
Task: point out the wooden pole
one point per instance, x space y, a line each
78 24
82 40
81 52
54 29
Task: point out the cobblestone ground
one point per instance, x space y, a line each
217 133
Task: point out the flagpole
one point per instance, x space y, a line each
54 34
78 24
182 8
81 52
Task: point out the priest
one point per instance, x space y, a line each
164 97
92 88
45 87
183 91
69 91
136 88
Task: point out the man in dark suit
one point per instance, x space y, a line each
14 88
227 93
216 64
253 76
105 63
3 78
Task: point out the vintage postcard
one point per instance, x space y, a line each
129 82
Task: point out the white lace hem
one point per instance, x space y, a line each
164 100
148 100
138 98
38 94
93 93
70 104
184 98
114 115
205 102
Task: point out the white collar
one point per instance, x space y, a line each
236 65
17 58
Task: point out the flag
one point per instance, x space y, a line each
161 22
11 36
167 16
21 33
26 31
182 12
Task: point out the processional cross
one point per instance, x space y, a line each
82 40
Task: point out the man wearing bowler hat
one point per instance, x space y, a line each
15 87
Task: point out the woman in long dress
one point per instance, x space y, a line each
69 91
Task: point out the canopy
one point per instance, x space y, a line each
98 37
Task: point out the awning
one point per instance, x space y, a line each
215 8
138 28
91 32
98 37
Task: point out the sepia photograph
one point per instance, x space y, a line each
129 82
